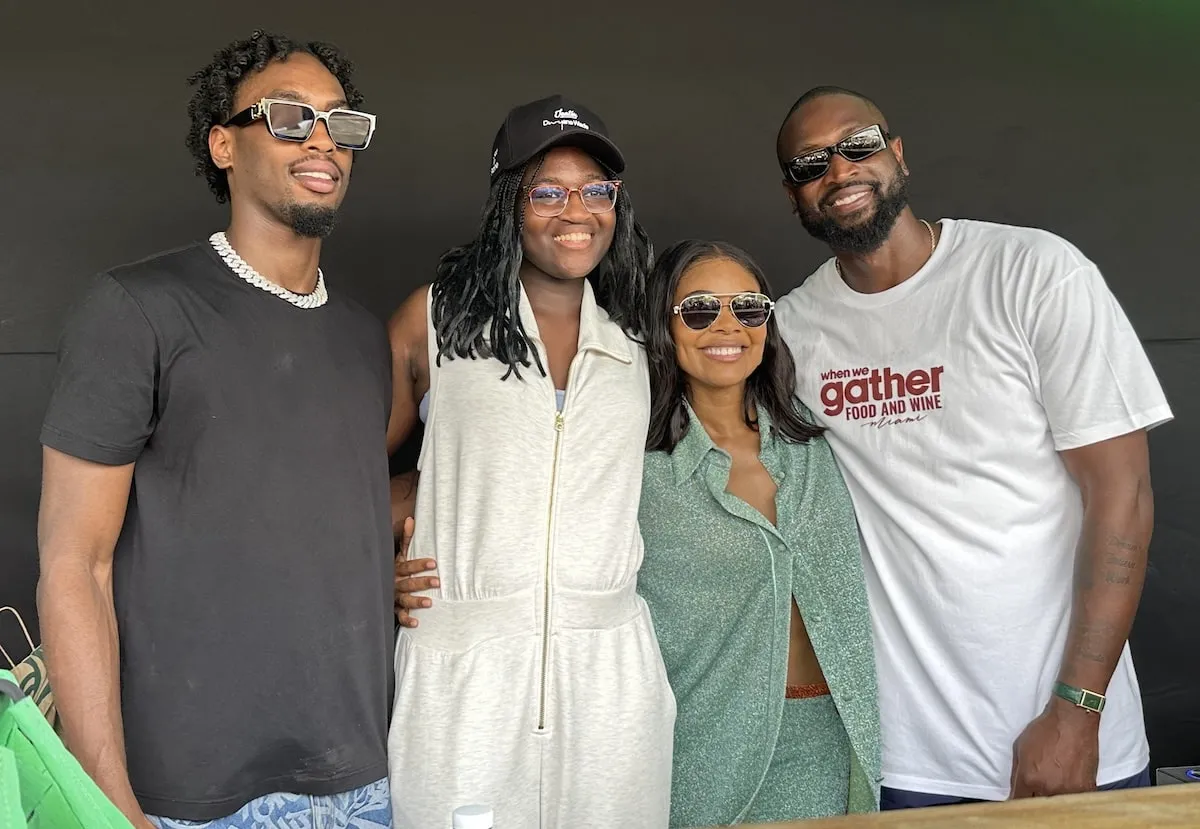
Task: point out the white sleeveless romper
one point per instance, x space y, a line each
534 684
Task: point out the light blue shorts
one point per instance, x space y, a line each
369 807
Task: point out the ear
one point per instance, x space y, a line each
898 151
791 195
221 147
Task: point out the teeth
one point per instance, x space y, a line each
315 174
573 237
724 351
848 199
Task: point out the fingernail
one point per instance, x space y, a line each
426 603
436 583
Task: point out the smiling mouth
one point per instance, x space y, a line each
316 181
724 353
852 200
576 241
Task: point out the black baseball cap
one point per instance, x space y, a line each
552 122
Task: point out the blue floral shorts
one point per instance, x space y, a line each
369 807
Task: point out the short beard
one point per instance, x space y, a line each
865 237
308 220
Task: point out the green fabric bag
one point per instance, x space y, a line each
41 785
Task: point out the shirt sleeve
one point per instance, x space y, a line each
102 406
1094 377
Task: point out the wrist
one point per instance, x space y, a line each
1076 702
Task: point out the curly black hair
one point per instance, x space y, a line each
217 85
477 292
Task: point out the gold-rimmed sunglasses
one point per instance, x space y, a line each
699 311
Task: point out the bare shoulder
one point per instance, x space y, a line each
408 329
408 323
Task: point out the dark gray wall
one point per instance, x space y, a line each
1079 117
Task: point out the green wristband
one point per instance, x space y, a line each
1081 697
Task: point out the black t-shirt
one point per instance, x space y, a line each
253 576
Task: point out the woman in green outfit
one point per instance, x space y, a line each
752 570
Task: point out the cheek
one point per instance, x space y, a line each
607 222
758 342
684 340
808 197
533 231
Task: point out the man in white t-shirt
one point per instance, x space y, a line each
988 402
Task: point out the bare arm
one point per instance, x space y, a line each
404 499
408 331
1110 563
1059 752
82 510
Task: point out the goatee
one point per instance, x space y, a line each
864 237
309 220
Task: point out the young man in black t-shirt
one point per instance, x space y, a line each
215 532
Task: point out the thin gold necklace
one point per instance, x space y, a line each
932 247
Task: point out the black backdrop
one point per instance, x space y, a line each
1079 117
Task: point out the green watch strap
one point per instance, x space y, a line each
1080 696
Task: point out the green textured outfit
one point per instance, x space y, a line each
719 579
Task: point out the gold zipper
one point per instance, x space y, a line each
558 428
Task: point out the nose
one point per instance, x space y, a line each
575 210
840 169
320 141
726 322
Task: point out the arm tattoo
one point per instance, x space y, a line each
1121 543
1092 641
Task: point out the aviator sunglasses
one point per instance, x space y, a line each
855 147
550 200
699 311
294 121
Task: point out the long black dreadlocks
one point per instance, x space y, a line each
217 85
477 289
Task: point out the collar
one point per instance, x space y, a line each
597 332
696 444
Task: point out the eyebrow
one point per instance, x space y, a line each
541 179
720 294
292 95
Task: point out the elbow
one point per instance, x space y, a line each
64 581
1135 499
1126 500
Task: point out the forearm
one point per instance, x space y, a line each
404 499
79 633
1110 568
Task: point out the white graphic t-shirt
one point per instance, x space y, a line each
947 399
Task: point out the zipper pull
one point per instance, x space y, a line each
558 422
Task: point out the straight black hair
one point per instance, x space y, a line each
772 384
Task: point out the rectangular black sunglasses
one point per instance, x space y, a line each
294 121
854 147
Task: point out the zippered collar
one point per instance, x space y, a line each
597 332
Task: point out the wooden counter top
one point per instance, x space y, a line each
1157 807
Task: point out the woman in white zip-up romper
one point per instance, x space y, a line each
533 683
